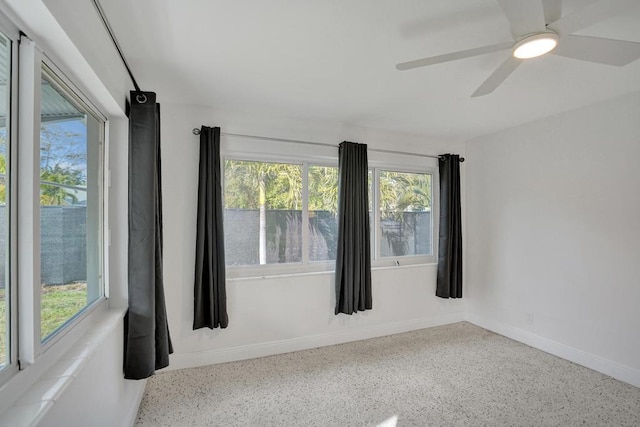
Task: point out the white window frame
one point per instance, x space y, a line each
10 369
245 150
31 347
389 261
59 79
325 264
305 265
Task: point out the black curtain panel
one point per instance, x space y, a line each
210 296
353 261
449 283
147 343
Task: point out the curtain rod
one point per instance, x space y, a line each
196 131
103 17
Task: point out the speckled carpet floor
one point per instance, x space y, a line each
453 375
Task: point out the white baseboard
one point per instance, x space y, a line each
137 391
251 351
591 361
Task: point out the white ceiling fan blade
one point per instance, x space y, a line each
453 56
525 16
497 77
552 10
596 49
592 14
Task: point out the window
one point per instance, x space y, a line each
51 257
263 213
405 214
70 204
5 284
323 212
286 214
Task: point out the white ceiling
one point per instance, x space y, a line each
335 60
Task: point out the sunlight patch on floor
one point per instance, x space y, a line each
389 422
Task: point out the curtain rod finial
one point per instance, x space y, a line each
196 131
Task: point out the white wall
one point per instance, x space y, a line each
553 235
277 314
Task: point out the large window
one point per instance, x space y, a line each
5 285
286 213
70 205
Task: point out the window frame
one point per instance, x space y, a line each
274 269
327 264
12 34
28 340
414 164
399 260
63 84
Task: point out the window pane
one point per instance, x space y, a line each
70 201
323 211
263 213
5 67
405 214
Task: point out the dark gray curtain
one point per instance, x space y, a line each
147 343
210 296
449 283
353 261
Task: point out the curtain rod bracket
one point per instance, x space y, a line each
442 158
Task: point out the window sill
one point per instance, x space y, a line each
30 408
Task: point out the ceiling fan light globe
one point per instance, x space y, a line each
535 45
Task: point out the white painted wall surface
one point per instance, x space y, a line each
553 237
278 314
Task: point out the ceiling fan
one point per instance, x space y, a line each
539 28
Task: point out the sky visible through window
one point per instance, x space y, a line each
63 158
